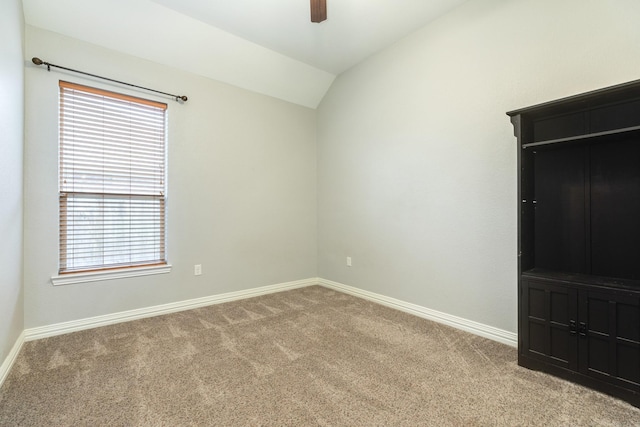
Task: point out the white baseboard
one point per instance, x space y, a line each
480 329
476 328
126 316
11 358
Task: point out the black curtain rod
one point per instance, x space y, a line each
39 61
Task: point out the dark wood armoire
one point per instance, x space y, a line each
579 238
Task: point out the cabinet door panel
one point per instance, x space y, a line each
627 362
547 333
598 315
628 322
560 348
537 342
598 354
610 347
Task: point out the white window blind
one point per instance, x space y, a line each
112 180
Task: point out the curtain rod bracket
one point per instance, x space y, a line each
38 61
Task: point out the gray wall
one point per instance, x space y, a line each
417 159
241 198
11 154
415 176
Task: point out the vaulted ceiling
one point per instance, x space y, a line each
268 46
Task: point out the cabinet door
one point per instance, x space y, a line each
609 337
548 323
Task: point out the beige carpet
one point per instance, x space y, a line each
306 357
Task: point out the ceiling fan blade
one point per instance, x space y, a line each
318 10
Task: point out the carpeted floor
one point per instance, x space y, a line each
306 357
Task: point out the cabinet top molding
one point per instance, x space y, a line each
587 100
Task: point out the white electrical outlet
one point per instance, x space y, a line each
348 261
197 269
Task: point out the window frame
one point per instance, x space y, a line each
106 270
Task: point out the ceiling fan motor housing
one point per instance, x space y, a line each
318 10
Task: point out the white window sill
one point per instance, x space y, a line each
95 276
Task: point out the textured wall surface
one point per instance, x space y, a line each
417 159
11 155
241 198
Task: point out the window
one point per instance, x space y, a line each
112 180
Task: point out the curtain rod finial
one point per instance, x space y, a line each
37 60
182 98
